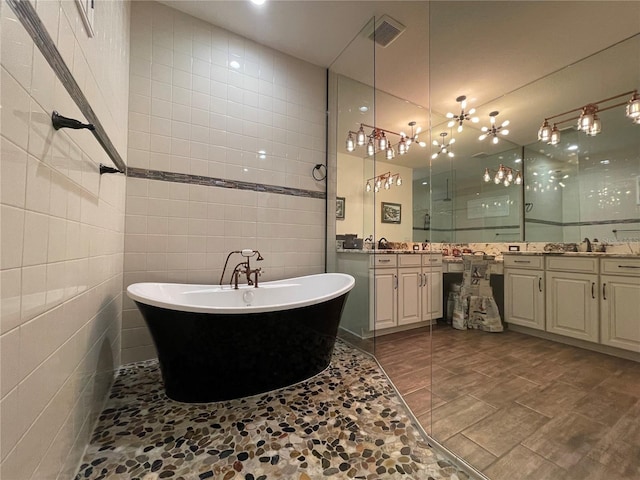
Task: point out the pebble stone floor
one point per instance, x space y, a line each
346 422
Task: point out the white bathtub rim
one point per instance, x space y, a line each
140 292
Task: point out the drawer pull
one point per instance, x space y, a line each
420 280
433 259
540 284
593 288
522 261
384 260
425 279
395 282
628 266
604 291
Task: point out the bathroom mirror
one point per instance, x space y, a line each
532 214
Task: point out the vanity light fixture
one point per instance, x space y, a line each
462 116
492 130
504 175
443 147
384 180
378 141
588 119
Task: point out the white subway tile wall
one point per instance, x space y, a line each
204 101
62 229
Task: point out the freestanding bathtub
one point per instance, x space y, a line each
216 343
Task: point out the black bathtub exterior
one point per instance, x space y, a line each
211 357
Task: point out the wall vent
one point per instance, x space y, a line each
386 31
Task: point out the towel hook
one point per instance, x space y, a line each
59 122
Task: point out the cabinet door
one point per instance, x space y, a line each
524 298
572 305
383 286
432 294
409 289
620 307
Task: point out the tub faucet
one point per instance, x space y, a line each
243 268
246 253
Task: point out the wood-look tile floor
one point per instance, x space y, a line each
518 407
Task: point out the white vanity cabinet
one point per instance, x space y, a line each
432 307
620 303
524 290
572 287
383 291
410 287
405 289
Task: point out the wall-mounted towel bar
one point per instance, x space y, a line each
26 13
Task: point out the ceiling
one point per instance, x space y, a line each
494 52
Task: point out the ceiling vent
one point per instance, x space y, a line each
480 155
386 31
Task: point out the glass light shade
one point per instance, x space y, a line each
510 176
506 182
486 177
453 140
496 180
368 187
451 123
554 139
390 153
351 145
378 183
361 137
459 128
505 131
450 155
495 140
387 185
376 189
449 115
475 119
402 146
518 179
596 128
544 134
633 107
484 129
370 148
399 181
500 173
585 122
382 142
505 123
471 110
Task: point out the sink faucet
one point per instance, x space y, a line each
586 240
243 268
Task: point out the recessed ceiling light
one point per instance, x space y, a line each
425 183
245 169
258 2
518 160
571 148
605 162
364 108
234 64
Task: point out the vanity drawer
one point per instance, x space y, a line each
383 260
524 261
409 260
573 264
453 267
431 260
621 266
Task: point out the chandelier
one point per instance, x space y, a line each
443 147
377 140
493 130
504 175
384 180
462 116
588 120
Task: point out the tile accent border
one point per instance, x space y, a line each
30 20
220 182
582 224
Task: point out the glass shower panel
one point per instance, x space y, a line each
351 99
